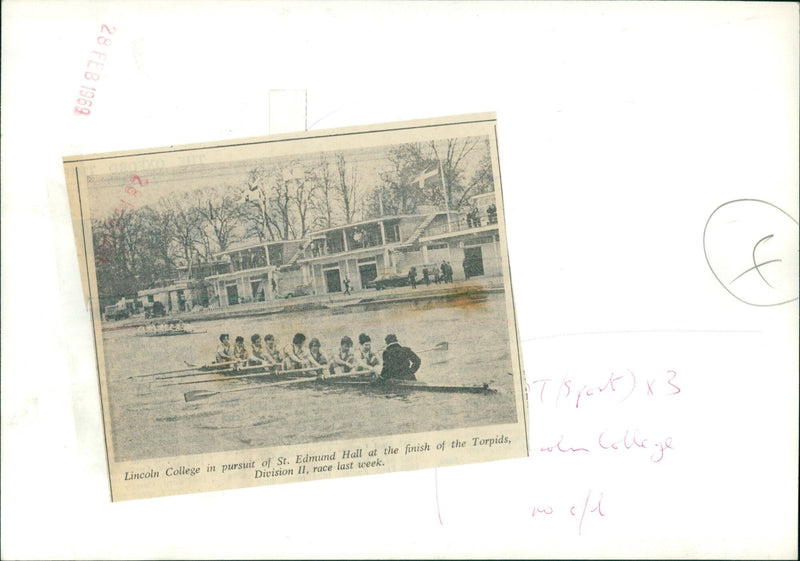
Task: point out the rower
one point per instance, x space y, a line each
399 363
296 356
224 350
258 353
315 350
366 359
273 353
239 350
344 359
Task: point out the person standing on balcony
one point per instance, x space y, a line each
412 277
476 217
426 276
358 237
491 214
347 286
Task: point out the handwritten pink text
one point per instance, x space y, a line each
611 442
591 507
617 386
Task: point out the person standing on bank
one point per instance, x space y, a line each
399 363
412 277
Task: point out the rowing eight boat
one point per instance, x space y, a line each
359 381
402 385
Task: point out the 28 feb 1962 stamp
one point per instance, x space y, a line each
302 306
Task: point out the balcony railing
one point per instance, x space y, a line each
463 222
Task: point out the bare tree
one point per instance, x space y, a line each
186 227
409 163
130 253
450 155
303 192
282 203
258 210
482 180
219 210
324 202
347 187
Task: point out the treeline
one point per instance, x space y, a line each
281 201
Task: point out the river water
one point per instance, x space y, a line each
151 420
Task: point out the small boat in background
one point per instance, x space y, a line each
165 329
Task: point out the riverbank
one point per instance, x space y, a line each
470 288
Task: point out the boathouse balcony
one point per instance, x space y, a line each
259 255
376 233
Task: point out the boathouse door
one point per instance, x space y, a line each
368 273
233 294
333 281
473 262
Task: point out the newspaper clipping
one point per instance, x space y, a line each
303 306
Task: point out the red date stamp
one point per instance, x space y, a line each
95 64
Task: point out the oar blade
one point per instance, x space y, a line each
443 346
197 395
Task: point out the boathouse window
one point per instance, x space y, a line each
335 241
276 255
392 229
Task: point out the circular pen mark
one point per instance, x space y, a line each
751 247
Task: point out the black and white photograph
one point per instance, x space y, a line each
310 290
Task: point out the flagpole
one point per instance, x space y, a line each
446 202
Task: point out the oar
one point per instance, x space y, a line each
217 371
204 394
203 370
443 346
240 376
161 373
